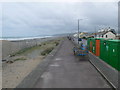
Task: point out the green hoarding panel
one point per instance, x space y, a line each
107 52
114 54
93 45
88 43
104 50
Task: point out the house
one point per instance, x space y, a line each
90 35
106 33
81 35
84 35
118 36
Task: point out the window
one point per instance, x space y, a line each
106 36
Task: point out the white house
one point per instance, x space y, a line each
108 34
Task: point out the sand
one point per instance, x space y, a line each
14 73
9 47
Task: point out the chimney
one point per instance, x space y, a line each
109 29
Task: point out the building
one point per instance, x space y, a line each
81 34
91 35
118 36
106 33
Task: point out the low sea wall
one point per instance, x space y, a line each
106 70
9 47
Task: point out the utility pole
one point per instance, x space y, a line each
95 31
78 31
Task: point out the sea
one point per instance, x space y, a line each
24 38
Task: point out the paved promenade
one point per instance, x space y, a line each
69 71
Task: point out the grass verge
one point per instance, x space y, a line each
17 59
47 51
49 44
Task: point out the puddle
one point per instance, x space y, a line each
46 77
57 59
55 65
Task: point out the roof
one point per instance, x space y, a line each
104 32
101 33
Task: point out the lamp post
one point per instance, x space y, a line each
78 30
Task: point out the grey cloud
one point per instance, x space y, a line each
54 18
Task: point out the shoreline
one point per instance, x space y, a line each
23 38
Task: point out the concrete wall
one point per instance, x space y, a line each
106 70
9 47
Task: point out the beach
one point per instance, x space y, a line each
12 46
21 64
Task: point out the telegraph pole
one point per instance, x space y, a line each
95 31
78 31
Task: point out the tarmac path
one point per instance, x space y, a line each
69 71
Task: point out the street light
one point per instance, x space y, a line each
78 28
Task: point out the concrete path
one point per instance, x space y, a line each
69 71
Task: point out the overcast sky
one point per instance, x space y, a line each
32 19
